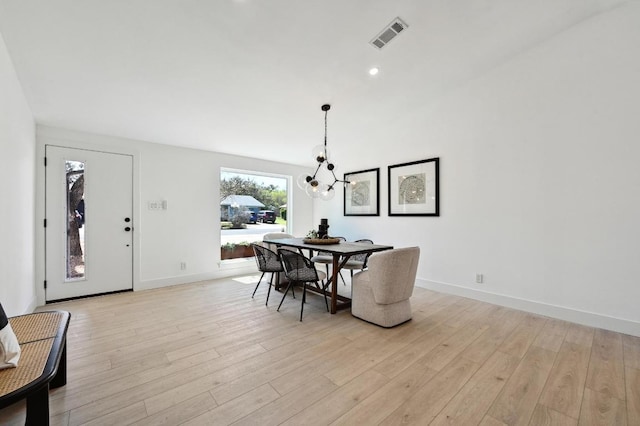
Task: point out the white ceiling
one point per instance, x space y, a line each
248 77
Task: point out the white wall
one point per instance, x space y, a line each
540 183
189 230
17 175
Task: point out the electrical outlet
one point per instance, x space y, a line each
479 278
183 265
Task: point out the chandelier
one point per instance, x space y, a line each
311 184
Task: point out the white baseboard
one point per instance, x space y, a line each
227 269
560 312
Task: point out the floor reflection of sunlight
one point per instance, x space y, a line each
247 279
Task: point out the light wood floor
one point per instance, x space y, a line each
207 354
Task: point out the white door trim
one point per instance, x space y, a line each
74 139
108 250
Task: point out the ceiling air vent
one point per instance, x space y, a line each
389 33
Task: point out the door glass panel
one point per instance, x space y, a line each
75 220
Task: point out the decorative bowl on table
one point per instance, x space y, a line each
321 240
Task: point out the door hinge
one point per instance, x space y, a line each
45 284
45 161
45 223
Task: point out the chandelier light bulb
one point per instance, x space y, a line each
327 193
320 153
312 191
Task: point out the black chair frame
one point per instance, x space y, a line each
299 270
268 261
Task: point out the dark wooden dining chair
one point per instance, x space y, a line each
300 270
268 261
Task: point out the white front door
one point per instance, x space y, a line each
89 222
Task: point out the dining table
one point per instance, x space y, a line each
341 252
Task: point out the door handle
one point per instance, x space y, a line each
126 219
127 229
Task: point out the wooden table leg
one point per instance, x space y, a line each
334 283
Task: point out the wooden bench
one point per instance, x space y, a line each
43 363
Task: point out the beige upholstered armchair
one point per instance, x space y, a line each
276 236
381 293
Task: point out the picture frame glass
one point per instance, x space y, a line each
413 188
362 193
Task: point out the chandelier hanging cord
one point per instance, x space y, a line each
325 108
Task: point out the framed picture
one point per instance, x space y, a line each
414 188
362 194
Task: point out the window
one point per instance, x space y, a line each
75 220
252 204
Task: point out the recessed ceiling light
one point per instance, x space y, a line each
374 71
